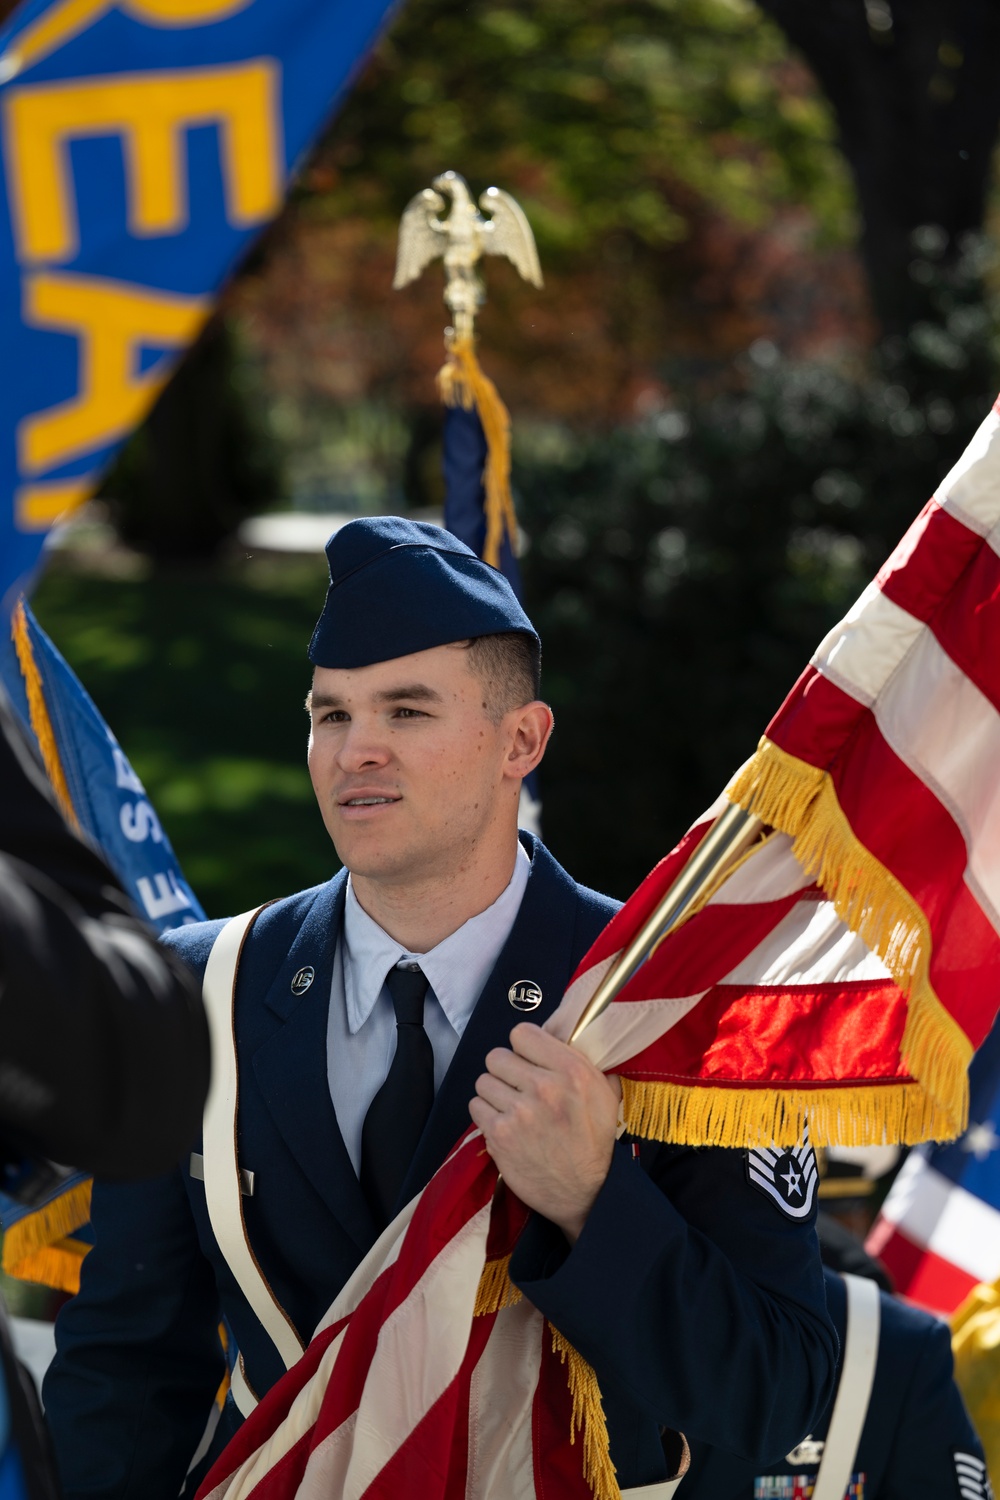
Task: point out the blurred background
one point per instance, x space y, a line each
769 327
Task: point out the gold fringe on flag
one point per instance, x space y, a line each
53 1221
56 1266
496 1290
801 801
462 382
39 1241
588 1417
740 1115
38 713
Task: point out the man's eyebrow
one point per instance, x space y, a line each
322 700
410 692
413 692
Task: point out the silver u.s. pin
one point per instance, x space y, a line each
303 979
525 994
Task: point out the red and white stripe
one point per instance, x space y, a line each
381 1375
937 1239
901 704
700 1007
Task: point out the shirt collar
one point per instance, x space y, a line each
456 969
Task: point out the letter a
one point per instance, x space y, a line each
113 321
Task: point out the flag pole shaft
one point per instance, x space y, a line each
729 837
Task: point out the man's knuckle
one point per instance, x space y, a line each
548 1093
520 1112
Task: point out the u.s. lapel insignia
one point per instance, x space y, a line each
303 979
525 994
788 1175
973 1480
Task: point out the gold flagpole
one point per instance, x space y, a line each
730 837
462 239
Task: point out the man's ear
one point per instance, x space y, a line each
531 727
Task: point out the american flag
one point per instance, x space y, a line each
939 1229
840 978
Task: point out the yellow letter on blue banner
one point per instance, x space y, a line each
143 144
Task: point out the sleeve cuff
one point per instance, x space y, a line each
629 1209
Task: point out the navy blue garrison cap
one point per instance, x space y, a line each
399 586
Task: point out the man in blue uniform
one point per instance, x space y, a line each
368 1013
916 1441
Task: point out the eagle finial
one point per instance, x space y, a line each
461 239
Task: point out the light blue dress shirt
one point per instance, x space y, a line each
361 1031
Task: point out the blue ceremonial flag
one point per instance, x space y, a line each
99 792
463 460
43 1210
939 1229
145 143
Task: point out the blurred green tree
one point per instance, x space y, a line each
914 90
605 120
654 144
200 462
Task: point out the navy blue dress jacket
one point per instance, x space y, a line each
699 1303
917 1442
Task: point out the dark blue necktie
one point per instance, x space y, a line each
398 1113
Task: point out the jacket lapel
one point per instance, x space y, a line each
290 1065
539 949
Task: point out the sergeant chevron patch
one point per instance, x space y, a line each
789 1176
973 1480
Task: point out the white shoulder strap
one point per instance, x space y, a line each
222 1172
857 1375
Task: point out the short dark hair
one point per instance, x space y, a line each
509 666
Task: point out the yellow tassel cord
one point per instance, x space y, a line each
41 724
588 1416
801 801
38 1232
224 1384
496 1290
462 383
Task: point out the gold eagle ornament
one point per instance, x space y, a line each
461 239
